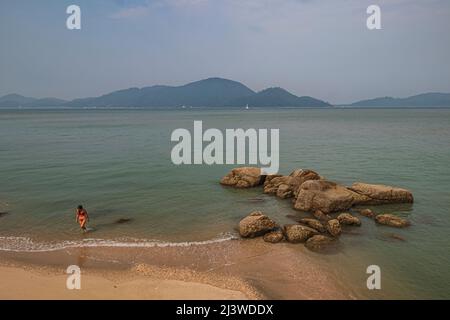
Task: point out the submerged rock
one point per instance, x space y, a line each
380 194
392 220
321 216
318 242
334 227
348 219
313 223
274 236
323 195
393 237
123 220
245 177
367 213
296 233
256 224
3 213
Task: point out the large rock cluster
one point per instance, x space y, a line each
311 192
327 201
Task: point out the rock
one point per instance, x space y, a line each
274 236
328 196
380 194
2 213
318 242
256 200
348 219
303 175
245 177
392 220
123 220
395 237
334 227
321 216
282 186
323 195
256 224
313 223
286 186
367 213
296 233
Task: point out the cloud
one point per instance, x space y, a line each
138 8
132 12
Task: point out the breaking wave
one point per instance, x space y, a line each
24 244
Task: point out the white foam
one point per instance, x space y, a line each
24 244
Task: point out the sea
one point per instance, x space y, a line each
117 164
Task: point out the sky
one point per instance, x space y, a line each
320 48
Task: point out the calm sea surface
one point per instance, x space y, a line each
117 164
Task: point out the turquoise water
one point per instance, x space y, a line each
117 164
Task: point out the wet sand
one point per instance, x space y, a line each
237 269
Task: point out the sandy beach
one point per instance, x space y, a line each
234 270
19 283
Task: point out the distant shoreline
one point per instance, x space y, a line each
338 107
216 92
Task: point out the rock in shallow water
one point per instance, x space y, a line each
367 213
334 227
323 195
348 219
380 194
328 196
318 242
313 223
296 233
392 220
286 186
256 224
274 236
321 216
123 220
245 177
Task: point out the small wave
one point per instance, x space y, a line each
24 244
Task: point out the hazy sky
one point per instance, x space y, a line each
320 48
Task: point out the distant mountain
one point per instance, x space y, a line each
278 97
421 100
212 92
17 100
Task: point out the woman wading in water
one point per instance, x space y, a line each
82 217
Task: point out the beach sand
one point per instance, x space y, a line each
237 269
18 283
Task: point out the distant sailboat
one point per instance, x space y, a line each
246 107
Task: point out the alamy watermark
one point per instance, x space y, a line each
73 22
236 146
73 281
374 280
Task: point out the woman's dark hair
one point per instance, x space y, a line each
80 207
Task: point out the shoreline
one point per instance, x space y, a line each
236 269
